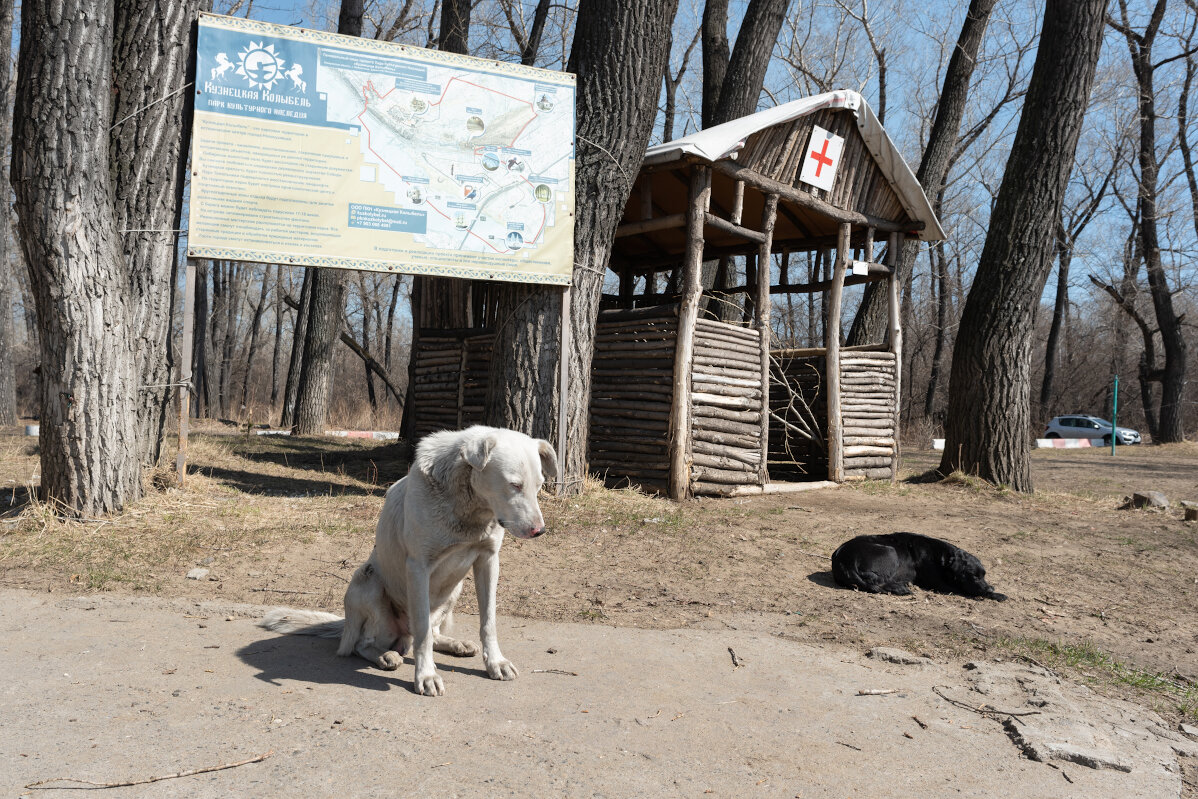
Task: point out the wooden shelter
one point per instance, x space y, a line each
682 399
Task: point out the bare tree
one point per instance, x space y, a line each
1172 376
869 323
671 83
1070 226
986 432
8 377
326 306
148 158
89 379
619 55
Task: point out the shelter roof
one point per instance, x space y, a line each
726 141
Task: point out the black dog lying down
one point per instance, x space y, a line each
884 564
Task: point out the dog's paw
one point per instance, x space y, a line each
502 669
390 661
461 649
430 685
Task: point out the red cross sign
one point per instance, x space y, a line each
822 159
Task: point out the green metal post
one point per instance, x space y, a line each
1115 417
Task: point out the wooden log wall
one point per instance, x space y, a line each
631 378
868 386
449 381
793 457
726 399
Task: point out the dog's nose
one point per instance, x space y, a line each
536 531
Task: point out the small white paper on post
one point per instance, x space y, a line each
822 158
860 267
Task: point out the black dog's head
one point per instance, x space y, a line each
969 576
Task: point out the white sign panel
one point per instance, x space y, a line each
325 150
822 158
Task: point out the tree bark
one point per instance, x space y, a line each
326 306
619 56
988 423
1059 308
745 73
8 376
296 362
151 124
199 345
869 323
717 52
252 350
455 27
89 378
940 281
274 356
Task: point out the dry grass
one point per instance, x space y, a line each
282 520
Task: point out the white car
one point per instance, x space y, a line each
1080 426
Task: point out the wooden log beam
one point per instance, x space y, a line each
699 200
807 201
832 367
763 306
650 225
852 452
711 220
895 243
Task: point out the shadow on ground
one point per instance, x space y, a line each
283 486
314 660
361 460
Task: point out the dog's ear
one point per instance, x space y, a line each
548 459
477 451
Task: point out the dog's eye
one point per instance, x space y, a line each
518 486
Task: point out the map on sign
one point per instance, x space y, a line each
327 150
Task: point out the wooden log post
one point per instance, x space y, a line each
688 312
895 244
762 306
832 371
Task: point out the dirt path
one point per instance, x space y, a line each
108 689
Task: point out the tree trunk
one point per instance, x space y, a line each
716 54
8 376
326 306
1173 376
870 323
455 27
619 56
391 322
233 283
1059 309
940 287
988 425
296 361
324 324
199 345
366 310
253 348
89 378
745 73
148 160
274 356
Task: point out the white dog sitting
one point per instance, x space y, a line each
446 517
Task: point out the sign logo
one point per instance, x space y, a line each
822 158
260 65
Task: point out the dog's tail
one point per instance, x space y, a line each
303 622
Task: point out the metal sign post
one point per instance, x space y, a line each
1115 417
